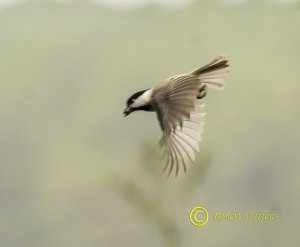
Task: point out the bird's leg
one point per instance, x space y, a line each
202 92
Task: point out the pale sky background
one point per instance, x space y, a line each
75 172
140 3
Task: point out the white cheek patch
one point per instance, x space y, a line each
144 99
136 103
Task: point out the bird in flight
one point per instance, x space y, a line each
178 103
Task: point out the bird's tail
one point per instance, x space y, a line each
214 73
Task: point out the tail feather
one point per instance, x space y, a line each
214 73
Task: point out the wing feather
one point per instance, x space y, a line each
181 114
181 143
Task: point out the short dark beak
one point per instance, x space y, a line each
127 111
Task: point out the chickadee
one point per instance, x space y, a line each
178 104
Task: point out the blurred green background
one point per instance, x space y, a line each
75 172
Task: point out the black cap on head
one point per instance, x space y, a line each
134 97
131 100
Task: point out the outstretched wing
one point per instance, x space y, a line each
174 100
181 114
180 117
180 145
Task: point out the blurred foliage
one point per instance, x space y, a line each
150 198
